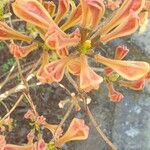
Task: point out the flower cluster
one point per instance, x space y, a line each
72 32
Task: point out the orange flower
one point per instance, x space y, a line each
92 12
113 94
50 7
130 70
73 19
120 53
21 51
122 14
88 78
53 128
32 11
134 85
76 131
63 8
74 66
53 72
7 33
57 39
128 26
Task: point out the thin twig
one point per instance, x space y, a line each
8 76
112 146
64 119
12 109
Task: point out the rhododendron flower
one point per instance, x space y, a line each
130 70
53 128
54 71
134 85
76 131
88 78
22 51
127 27
120 52
113 94
7 33
57 39
50 7
73 19
32 11
122 14
92 12
63 8
74 66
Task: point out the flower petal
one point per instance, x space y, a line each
113 94
134 85
127 27
73 19
121 52
130 70
92 12
76 131
57 39
123 13
21 51
63 8
74 66
89 80
32 11
7 33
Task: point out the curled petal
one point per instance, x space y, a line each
121 52
88 78
32 11
122 14
7 33
113 94
21 51
73 19
76 131
134 85
50 7
63 8
53 72
74 66
130 70
57 39
63 52
92 12
129 26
